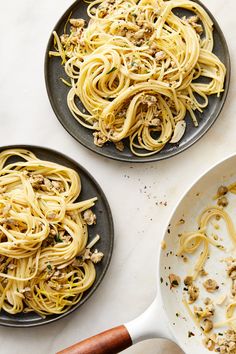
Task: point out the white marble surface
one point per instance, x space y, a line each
26 117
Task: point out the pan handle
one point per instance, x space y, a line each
150 324
111 341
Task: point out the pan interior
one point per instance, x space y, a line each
193 203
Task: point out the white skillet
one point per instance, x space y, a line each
166 317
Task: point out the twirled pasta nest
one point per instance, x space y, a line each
135 68
45 262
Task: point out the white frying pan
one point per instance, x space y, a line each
167 317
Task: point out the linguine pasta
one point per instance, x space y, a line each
44 263
200 242
136 67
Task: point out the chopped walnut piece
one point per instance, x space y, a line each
207 312
64 37
188 280
99 139
139 34
120 146
22 291
222 190
174 280
222 201
231 270
89 217
155 122
149 100
47 185
210 285
96 256
209 344
160 55
36 181
86 254
77 22
58 186
193 22
193 292
227 344
207 325
207 301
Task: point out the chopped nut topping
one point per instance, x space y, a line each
210 285
227 343
207 325
36 181
222 190
160 55
204 313
89 217
120 146
207 301
193 292
77 22
96 256
222 201
188 280
99 139
174 280
209 344
231 270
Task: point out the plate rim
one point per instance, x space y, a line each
111 245
155 157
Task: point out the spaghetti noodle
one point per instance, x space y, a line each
136 70
45 266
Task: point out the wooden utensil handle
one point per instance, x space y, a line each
111 341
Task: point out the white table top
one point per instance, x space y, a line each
139 216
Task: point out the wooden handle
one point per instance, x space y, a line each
111 341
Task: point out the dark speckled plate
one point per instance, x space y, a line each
103 227
57 92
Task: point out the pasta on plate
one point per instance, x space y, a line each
136 68
45 262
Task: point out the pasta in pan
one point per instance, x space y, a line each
46 264
135 68
204 244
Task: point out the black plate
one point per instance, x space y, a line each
57 92
103 227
